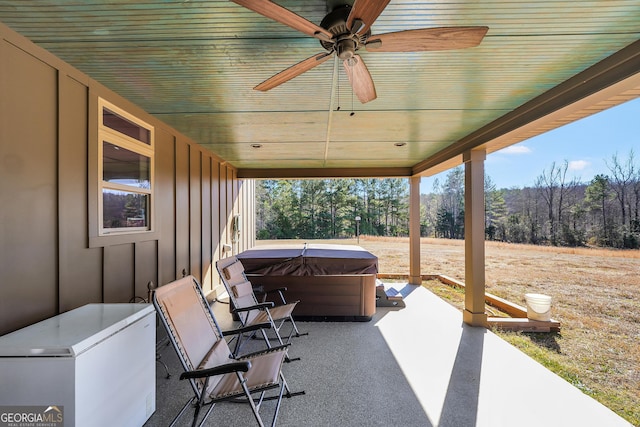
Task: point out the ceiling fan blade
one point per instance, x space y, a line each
293 71
426 39
285 16
366 11
360 79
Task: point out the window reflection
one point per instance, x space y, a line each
122 209
117 122
122 166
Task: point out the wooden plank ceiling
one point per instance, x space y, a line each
194 64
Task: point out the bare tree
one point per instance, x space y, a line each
623 175
554 187
569 210
547 186
635 222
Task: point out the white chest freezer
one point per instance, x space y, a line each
96 363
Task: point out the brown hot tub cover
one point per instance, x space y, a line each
308 260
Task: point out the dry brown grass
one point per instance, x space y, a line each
596 297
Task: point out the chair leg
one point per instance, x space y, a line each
199 402
205 415
285 384
266 338
295 327
251 402
276 329
195 416
287 359
282 387
184 408
240 340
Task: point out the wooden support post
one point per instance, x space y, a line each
415 278
474 313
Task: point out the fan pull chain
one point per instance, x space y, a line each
338 85
352 112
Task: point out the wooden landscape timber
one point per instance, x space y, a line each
518 320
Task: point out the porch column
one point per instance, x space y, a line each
415 277
474 313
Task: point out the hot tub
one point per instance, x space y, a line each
332 282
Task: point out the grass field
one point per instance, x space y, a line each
596 297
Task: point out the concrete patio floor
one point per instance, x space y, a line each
474 378
412 366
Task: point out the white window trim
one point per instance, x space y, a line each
112 136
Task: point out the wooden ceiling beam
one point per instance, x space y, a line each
301 173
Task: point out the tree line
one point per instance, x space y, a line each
555 210
328 208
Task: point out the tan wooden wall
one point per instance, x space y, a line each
46 263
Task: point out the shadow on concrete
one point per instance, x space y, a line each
460 406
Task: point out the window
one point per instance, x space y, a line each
125 169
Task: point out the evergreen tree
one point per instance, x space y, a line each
598 195
495 209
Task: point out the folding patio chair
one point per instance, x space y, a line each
215 375
247 307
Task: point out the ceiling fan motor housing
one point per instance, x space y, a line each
344 43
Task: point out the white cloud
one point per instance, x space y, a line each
578 165
516 149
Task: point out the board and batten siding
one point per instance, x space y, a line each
48 265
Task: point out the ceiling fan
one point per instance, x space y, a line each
347 29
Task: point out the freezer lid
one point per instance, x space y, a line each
71 333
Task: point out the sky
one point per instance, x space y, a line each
586 145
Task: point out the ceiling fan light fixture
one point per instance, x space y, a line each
346 48
351 62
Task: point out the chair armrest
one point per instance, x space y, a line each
279 291
244 329
260 306
227 368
